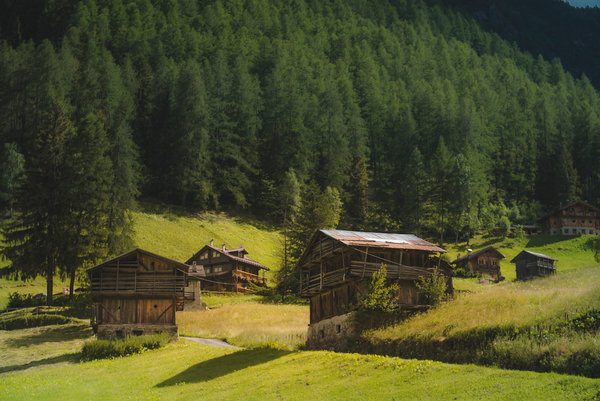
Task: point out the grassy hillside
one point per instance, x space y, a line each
571 252
179 236
526 325
189 371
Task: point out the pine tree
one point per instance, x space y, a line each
12 166
36 238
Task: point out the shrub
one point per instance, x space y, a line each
18 300
100 349
380 297
433 288
27 321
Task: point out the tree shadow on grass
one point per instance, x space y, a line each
223 365
537 241
72 357
52 334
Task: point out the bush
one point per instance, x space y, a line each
27 321
433 288
380 297
17 300
101 349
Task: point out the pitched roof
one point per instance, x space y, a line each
180 266
539 255
382 240
228 253
571 205
475 254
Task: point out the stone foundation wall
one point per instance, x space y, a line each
330 334
111 331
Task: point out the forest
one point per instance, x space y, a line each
386 115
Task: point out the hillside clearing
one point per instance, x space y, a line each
189 371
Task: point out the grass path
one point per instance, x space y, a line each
190 371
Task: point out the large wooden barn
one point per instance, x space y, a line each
577 218
532 264
338 265
136 293
229 270
484 261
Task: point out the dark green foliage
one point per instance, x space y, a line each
12 166
29 320
377 103
18 300
102 349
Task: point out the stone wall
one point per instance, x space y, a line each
111 331
330 334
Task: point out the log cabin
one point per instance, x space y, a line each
136 293
485 261
577 218
531 264
228 270
337 266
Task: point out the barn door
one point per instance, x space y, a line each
156 311
111 310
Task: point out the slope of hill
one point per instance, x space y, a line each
189 371
179 236
545 324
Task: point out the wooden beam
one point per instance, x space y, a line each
163 312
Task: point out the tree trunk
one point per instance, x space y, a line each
49 285
72 285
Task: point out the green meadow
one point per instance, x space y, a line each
190 371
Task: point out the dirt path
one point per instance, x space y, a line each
212 342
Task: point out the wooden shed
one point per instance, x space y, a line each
338 265
228 270
136 293
531 264
483 261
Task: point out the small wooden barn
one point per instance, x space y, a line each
484 261
136 293
531 264
338 265
229 270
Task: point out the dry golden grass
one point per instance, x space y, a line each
249 324
517 303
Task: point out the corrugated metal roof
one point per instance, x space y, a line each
382 240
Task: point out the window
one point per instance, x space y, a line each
590 221
217 269
208 270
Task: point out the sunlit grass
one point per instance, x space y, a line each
572 252
179 236
249 324
532 302
189 371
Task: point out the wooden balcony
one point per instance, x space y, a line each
255 278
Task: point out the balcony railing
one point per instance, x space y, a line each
255 278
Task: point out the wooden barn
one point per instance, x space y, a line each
484 261
338 265
229 270
532 264
136 293
577 218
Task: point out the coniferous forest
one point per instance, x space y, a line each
397 115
